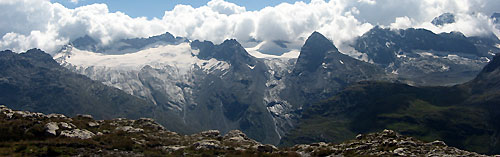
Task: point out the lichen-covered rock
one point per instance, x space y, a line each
207 145
211 133
400 151
236 136
173 148
266 148
65 125
77 133
85 116
129 129
93 124
385 143
56 116
52 128
437 143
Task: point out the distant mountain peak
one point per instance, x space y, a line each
317 38
166 34
86 38
85 43
37 54
230 42
35 51
6 52
229 50
443 19
313 52
316 34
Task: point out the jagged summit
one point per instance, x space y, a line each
85 40
382 45
37 53
230 50
85 43
445 18
322 70
6 52
313 52
317 39
231 42
40 56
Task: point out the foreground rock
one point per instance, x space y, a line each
385 143
34 134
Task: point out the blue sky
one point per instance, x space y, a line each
156 8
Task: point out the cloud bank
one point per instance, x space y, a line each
26 24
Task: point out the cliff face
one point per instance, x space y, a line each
35 134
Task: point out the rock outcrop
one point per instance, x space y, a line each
49 135
385 143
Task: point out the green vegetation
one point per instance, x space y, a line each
427 113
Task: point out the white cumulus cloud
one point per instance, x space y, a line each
26 24
402 23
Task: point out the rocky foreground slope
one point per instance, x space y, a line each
25 133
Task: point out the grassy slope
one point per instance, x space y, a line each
428 113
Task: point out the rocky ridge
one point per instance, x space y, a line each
35 134
422 58
385 143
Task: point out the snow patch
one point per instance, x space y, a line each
195 52
486 59
445 68
178 56
212 64
395 72
251 67
291 54
426 54
364 57
453 57
324 65
401 55
491 53
254 51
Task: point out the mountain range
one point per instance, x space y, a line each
323 95
420 57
